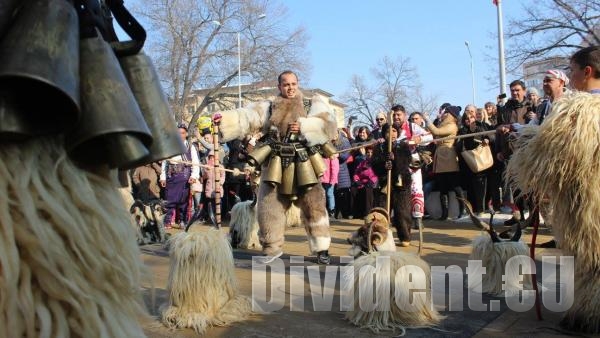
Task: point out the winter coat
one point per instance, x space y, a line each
364 175
209 180
344 180
445 158
145 180
330 176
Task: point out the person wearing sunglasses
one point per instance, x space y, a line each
380 120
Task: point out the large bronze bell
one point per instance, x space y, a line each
328 149
274 171
39 64
288 180
112 129
305 174
259 155
317 162
145 85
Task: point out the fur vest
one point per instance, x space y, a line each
317 123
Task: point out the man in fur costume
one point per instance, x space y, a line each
286 122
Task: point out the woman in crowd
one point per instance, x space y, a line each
445 160
475 183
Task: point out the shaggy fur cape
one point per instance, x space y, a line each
202 287
70 265
422 313
560 161
493 257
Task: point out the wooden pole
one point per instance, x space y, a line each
389 173
217 174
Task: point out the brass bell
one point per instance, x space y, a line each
328 149
288 178
317 162
274 171
259 155
305 174
112 129
40 57
145 85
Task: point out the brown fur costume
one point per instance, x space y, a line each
70 265
560 161
317 127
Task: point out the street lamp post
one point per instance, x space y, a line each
239 50
472 71
239 71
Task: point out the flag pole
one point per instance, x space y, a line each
501 62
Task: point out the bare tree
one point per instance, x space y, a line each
548 28
393 81
423 103
194 44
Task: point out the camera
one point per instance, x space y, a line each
502 96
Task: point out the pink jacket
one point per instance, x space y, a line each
364 174
209 180
331 174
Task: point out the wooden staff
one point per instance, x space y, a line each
216 173
457 137
362 145
389 173
221 168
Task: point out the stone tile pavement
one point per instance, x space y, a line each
446 243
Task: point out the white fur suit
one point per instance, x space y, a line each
317 127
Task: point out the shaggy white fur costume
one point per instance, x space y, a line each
493 253
243 226
560 161
493 257
202 288
70 265
391 286
316 127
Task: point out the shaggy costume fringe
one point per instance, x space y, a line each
493 257
202 286
70 265
560 160
394 318
243 226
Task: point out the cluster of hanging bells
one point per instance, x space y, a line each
63 71
292 167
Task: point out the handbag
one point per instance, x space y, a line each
478 159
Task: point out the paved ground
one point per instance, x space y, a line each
446 243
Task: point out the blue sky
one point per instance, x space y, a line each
349 37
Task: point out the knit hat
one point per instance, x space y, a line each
454 110
557 74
